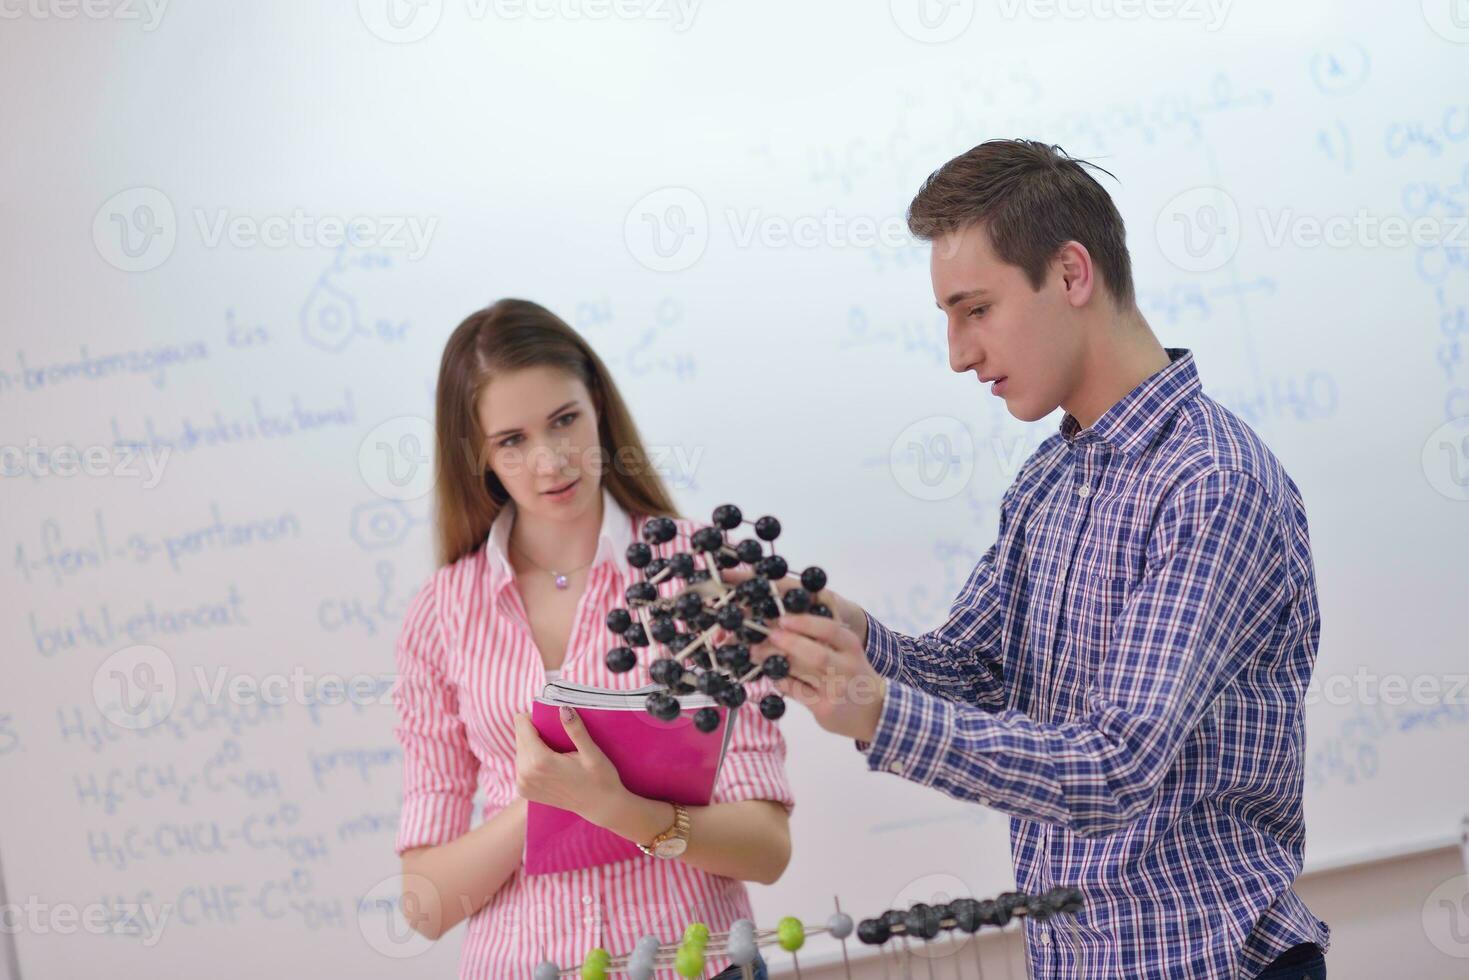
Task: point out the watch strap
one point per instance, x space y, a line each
679 828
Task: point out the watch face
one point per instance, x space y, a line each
671 848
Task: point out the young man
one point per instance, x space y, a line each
1123 671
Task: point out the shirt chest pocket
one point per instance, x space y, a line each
1096 605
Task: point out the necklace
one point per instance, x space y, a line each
562 579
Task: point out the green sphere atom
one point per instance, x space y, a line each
690 960
791 933
594 967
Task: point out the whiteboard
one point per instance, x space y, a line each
713 194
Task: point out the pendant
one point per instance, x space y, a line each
561 582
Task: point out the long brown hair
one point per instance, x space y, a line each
506 336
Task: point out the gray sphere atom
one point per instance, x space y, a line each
639 967
839 925
741 950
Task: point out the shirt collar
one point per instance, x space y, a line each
612 541
1130 425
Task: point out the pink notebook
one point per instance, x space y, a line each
671 761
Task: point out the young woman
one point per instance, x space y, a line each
543 481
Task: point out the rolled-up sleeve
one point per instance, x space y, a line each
755 763
1215 590
439 770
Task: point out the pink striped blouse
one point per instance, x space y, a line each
467 663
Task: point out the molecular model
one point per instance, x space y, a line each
708 607
741 944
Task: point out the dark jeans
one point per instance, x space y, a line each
1303 962
733 973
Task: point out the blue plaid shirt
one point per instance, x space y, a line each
1123 673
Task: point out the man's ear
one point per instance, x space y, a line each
1077 273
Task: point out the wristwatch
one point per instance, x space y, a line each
673 841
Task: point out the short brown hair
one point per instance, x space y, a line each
1031 198
506 336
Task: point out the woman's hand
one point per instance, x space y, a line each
583 781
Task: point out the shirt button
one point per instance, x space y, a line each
982 800
895 766
1045 939
586 900
1084 491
